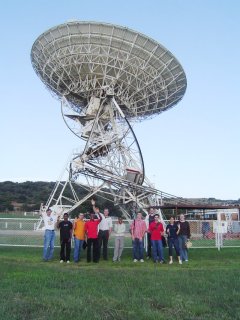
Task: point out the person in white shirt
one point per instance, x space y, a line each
119 229
105 229
49 220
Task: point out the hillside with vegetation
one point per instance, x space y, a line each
23 196
28 196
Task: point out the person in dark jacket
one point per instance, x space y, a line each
65 228
183 236
172 231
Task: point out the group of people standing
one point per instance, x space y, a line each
178 233
94 235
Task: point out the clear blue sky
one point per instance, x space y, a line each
191 150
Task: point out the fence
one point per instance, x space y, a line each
204 234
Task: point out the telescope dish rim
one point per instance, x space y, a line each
145 77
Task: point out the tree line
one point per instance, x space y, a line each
28 196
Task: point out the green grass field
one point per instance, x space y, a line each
207 287
35 238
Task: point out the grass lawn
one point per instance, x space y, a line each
207 287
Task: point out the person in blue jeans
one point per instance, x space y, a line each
156 230
79 236
138 230
149 219
172 231
49 220
183 236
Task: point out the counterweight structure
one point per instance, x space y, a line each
107 77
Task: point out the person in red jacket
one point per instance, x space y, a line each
91 230
156 230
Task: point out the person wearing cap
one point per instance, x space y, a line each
138 229
156 230
105 229
119 229
91 231
49 220
65 228
79 236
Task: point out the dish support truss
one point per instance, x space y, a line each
110 163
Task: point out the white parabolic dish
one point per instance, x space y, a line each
79 59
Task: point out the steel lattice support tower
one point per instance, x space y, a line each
107 77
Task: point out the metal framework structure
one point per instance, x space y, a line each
106 77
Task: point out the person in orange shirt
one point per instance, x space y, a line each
79 236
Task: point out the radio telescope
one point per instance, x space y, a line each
107 77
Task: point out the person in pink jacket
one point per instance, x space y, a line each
138 230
